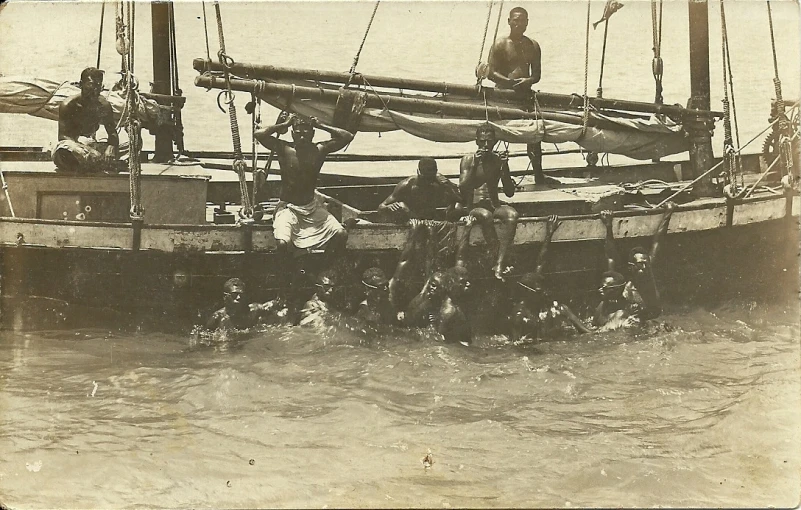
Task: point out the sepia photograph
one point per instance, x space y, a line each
400 254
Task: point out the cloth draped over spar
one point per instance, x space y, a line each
42 98
640 138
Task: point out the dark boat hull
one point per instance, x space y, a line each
45 288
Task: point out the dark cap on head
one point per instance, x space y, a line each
93 72
637 249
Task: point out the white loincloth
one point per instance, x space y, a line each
308 227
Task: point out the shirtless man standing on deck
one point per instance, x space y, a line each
479 175
514 63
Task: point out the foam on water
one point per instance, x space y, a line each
704 414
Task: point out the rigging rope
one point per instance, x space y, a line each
364 39
484 40
657 66
206 31
239 163
729 153
133 126
784 127
586 116
495 35
175 88
100 37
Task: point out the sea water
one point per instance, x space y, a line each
701 410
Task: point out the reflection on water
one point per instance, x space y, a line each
703 413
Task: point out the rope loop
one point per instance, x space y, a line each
225 60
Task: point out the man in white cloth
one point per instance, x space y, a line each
79 118
300 218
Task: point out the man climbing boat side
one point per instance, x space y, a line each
79 118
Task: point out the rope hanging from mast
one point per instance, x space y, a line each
782 133
482 69
239 164
586 116
729 152
100 37
364 39
126 28
481 72
657 66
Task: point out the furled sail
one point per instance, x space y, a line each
42 98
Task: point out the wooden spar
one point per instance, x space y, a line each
560 101
401 104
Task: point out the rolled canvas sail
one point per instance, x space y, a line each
42 97
637 138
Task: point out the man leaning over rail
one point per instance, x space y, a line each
417 196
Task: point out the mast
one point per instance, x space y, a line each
162 71
699 125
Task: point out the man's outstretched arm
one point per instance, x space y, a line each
662 228
609 244
550 227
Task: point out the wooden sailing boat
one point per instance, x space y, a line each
167 262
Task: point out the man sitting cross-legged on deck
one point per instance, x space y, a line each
479 175
533 312
79 118
238 314
417 196
640 289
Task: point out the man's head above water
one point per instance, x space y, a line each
234 294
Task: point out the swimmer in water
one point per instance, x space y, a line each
533 312
237 313
321 303
376 307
